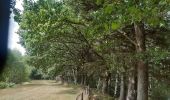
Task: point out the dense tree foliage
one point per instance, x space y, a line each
15 70
120 47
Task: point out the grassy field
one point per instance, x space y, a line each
40 90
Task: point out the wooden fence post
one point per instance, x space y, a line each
82 96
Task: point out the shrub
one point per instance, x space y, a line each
6 85
160 91
16 69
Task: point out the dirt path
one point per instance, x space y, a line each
40 90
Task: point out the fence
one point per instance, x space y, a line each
85 94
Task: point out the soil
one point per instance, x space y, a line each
40 90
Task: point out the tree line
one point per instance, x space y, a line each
15 70
119 47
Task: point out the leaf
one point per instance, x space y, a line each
106 27
108 9
98 2
115 26
154 21
135 13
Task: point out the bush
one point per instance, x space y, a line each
6 85
36 74
16 69
160 91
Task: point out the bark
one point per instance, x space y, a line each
82 79
116 89
131 95
122 88
132 85
142 68
62 79
104 86
106 82
75 76
142 88
75 79
85 80
99 84
109 85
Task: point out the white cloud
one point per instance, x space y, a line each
19 4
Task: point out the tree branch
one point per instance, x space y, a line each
124 34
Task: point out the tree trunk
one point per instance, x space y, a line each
142 68
82 79
75 79
116 88
142 88
132 85
108 76
104 86
122 88
85 80
106 82
99 84
75 76
62 79
109 84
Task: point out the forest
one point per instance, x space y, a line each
120 48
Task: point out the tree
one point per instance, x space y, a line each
16 70
91 40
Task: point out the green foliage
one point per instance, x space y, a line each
36 74
115 26
6 85
16 70
108 9
160 91
92 37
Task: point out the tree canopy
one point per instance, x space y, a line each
88 41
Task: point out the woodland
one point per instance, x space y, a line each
118 47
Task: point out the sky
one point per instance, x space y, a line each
13 36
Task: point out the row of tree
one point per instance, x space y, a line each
120 47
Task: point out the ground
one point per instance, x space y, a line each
40 90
